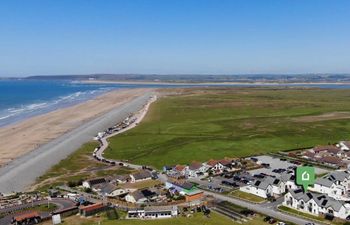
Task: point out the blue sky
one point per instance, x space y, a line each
174 37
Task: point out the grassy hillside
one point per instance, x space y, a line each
214 123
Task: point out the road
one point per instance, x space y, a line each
22 172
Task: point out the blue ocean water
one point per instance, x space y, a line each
21 99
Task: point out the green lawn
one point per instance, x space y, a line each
247 196
197 219
216 123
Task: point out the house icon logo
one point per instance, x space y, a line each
305 176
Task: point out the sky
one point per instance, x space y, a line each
50 37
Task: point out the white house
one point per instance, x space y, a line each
261 188
160 212
335 184
344 145
141 196
195 169
141 176
316 204
270 186
118 192
92 182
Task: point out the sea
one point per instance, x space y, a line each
24 98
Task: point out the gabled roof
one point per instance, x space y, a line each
324 182
195 166
142 175
180 168
212 162
26 215
225 162
96 181
108 188
338 175
331 160
287 177
328 148
321 200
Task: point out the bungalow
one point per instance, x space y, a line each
327 148
27 218
141 196
316 204
332 161
107 189
189 190
141 176
92 182
122 179
118 193
92 209
154 212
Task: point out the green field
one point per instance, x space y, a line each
216 123
247 196
197 219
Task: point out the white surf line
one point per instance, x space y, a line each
98 153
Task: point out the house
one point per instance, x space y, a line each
27 218
196 169
122 179
218 166
92 209
189 190
327 148
332 161
344 145
180 169
270 186
92 182
160 212
141 196
316 204
335 184
289 181
107 189
141 176
261 188
118 193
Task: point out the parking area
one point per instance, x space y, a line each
276 166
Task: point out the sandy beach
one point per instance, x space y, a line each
28 135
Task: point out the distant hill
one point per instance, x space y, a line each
192 78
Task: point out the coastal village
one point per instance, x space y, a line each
233 187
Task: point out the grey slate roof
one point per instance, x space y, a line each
324 182
142 175
321 200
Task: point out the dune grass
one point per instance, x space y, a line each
200 124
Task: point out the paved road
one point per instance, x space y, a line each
261 208
22 172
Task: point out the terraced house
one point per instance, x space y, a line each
335 184
316 204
